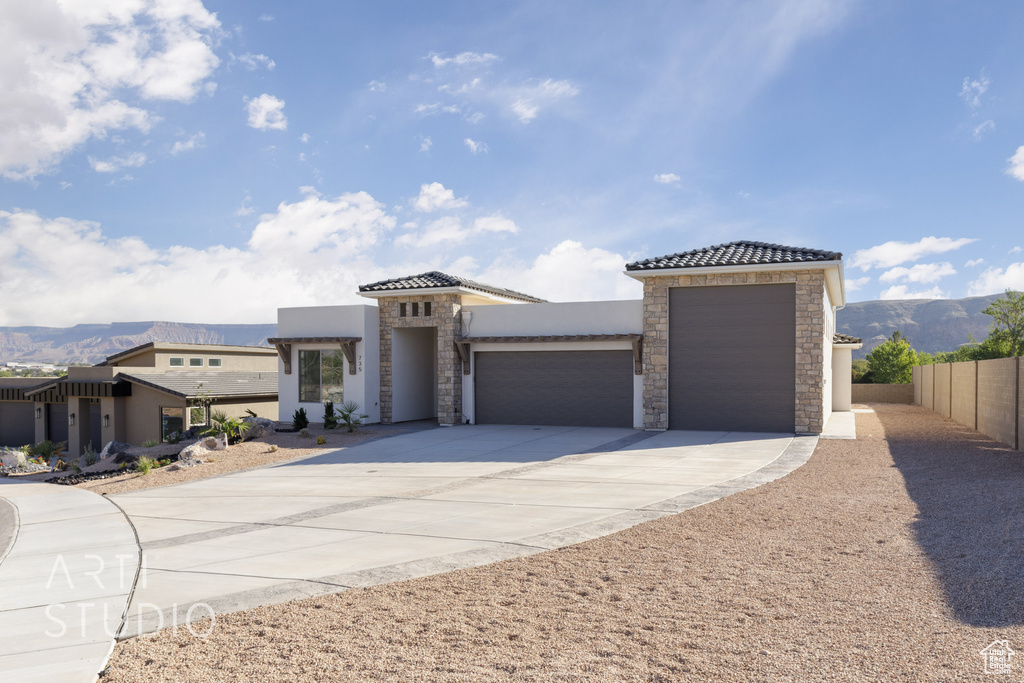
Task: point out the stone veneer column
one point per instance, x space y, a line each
810 340
445 315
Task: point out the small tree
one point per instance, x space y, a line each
1008 312
300 420
330 419
893 360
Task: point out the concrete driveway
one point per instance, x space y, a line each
420 504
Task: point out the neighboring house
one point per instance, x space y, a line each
738 336
145 393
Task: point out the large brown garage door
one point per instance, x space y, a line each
732 358
576 388
17 423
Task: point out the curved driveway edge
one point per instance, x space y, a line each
65 584
421 504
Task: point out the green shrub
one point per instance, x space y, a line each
320 441
146 465
330 421
349 415
304 433
48 449
300 420
149 443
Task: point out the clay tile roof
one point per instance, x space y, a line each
838 338
740 253
434 280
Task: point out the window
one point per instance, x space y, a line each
401 310
321 376
214 362
171 420
177 362
195 362
196 416
415 310
426 309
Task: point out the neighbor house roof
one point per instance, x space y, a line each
186 347
741 253
838 338
438 280
212 384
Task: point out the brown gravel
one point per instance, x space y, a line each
894 557
243 456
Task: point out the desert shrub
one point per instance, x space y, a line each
349 415
300 420
149 443
330 421
304 433
320 441
146 465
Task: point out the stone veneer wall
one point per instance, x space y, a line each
810 340
445 315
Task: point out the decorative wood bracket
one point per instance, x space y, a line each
638 355
463 347
349 349
285 351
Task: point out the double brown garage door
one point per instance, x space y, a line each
732 358
573 388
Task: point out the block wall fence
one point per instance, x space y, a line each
986 395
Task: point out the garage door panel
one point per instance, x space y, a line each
732 357
17 423
574 388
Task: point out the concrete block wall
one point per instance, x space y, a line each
882 393
964 393
927 386
942 389
916 372
997 399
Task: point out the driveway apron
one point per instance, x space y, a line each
420 504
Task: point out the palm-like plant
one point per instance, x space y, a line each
349 415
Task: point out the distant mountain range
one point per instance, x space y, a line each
928 324
90 344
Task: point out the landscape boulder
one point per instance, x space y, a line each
12 458
255 427
113 448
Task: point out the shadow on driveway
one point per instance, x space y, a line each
969 491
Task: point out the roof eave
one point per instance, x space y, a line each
465 291
833 275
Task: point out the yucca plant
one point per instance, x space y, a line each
349 415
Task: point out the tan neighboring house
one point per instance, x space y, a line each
145 393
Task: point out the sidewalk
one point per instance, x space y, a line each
65 582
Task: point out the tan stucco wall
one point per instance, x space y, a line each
241 360
142 413
810 340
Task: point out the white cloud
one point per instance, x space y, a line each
436 197
304 138
195 142
894 253
666 178
115 164
245 208
1016 168
426 144
973 88
856 283
451 230
70 69
995 280
1015 250
495 223
569 272
528 99
378 86
463 59
253 62
985 126
266 112
266 17
974 262
476 147
923 273
900 292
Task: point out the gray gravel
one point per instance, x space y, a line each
897 556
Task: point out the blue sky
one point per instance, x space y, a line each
212 161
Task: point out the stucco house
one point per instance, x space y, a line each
147 392
738 336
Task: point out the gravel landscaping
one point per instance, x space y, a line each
897 556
